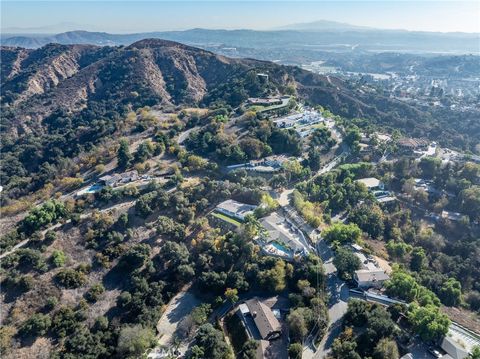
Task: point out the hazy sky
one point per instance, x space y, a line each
136 16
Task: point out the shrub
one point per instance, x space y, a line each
70 278
37 324
94 292
58 258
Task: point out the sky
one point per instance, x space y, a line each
142 16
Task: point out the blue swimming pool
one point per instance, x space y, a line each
281 248
94 188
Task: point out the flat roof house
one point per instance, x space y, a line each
120 178
372 183
235 209
453 349
370 278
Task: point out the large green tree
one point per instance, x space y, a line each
346 263
428 321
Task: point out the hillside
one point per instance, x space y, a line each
56 77
60 100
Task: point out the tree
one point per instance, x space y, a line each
7 332
65 321
297 325
370 218
344 349
136 256
134 340
386 349
342 233
475 353
428 321
346 263
249 349
124 156
429 166
402 285
470 198
37 324
274 278
295 351
144 151
418 260
357 312
231 295
451 292
212 343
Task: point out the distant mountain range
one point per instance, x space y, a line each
323 25
323 36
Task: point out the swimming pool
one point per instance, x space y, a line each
280 247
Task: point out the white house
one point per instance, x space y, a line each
370 278
235 209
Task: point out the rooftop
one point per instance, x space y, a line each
370 182
368 275
412 142
453 348
264 318
238 208
281 230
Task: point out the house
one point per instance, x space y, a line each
117 179
372 183
453 216
370 275
370 278
453 349
280 230
408 145
267 165
235 209
268 326
269 101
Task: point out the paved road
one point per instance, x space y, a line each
338 301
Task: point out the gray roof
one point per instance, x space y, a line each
279 229
370 182
367 275
236 207
263 317
453 348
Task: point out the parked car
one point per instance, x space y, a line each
434 352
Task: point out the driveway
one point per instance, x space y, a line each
338 300
178 308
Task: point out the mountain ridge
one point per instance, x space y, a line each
371 40
41 82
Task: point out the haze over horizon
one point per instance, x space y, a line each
128 16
